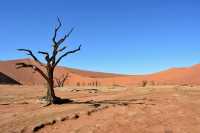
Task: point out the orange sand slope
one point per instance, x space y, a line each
181 76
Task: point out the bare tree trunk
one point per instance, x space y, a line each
50 87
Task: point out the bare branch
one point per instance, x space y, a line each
55 45
29 52
58 43
65 54
46 55
69 33
61 40
56 30
65 77
66 36
60 50
42 52
34 67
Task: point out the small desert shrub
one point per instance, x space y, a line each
78 84
144 83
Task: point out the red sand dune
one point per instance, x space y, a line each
183 76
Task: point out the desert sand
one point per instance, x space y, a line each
150 109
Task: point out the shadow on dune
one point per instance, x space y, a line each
5 79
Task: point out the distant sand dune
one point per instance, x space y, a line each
181 76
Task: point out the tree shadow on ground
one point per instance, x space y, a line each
107 102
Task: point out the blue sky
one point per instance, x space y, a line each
121 36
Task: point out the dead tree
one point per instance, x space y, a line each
78 84
60 81
51 62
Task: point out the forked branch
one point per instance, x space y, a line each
60 81
57 44
66 36
45 54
